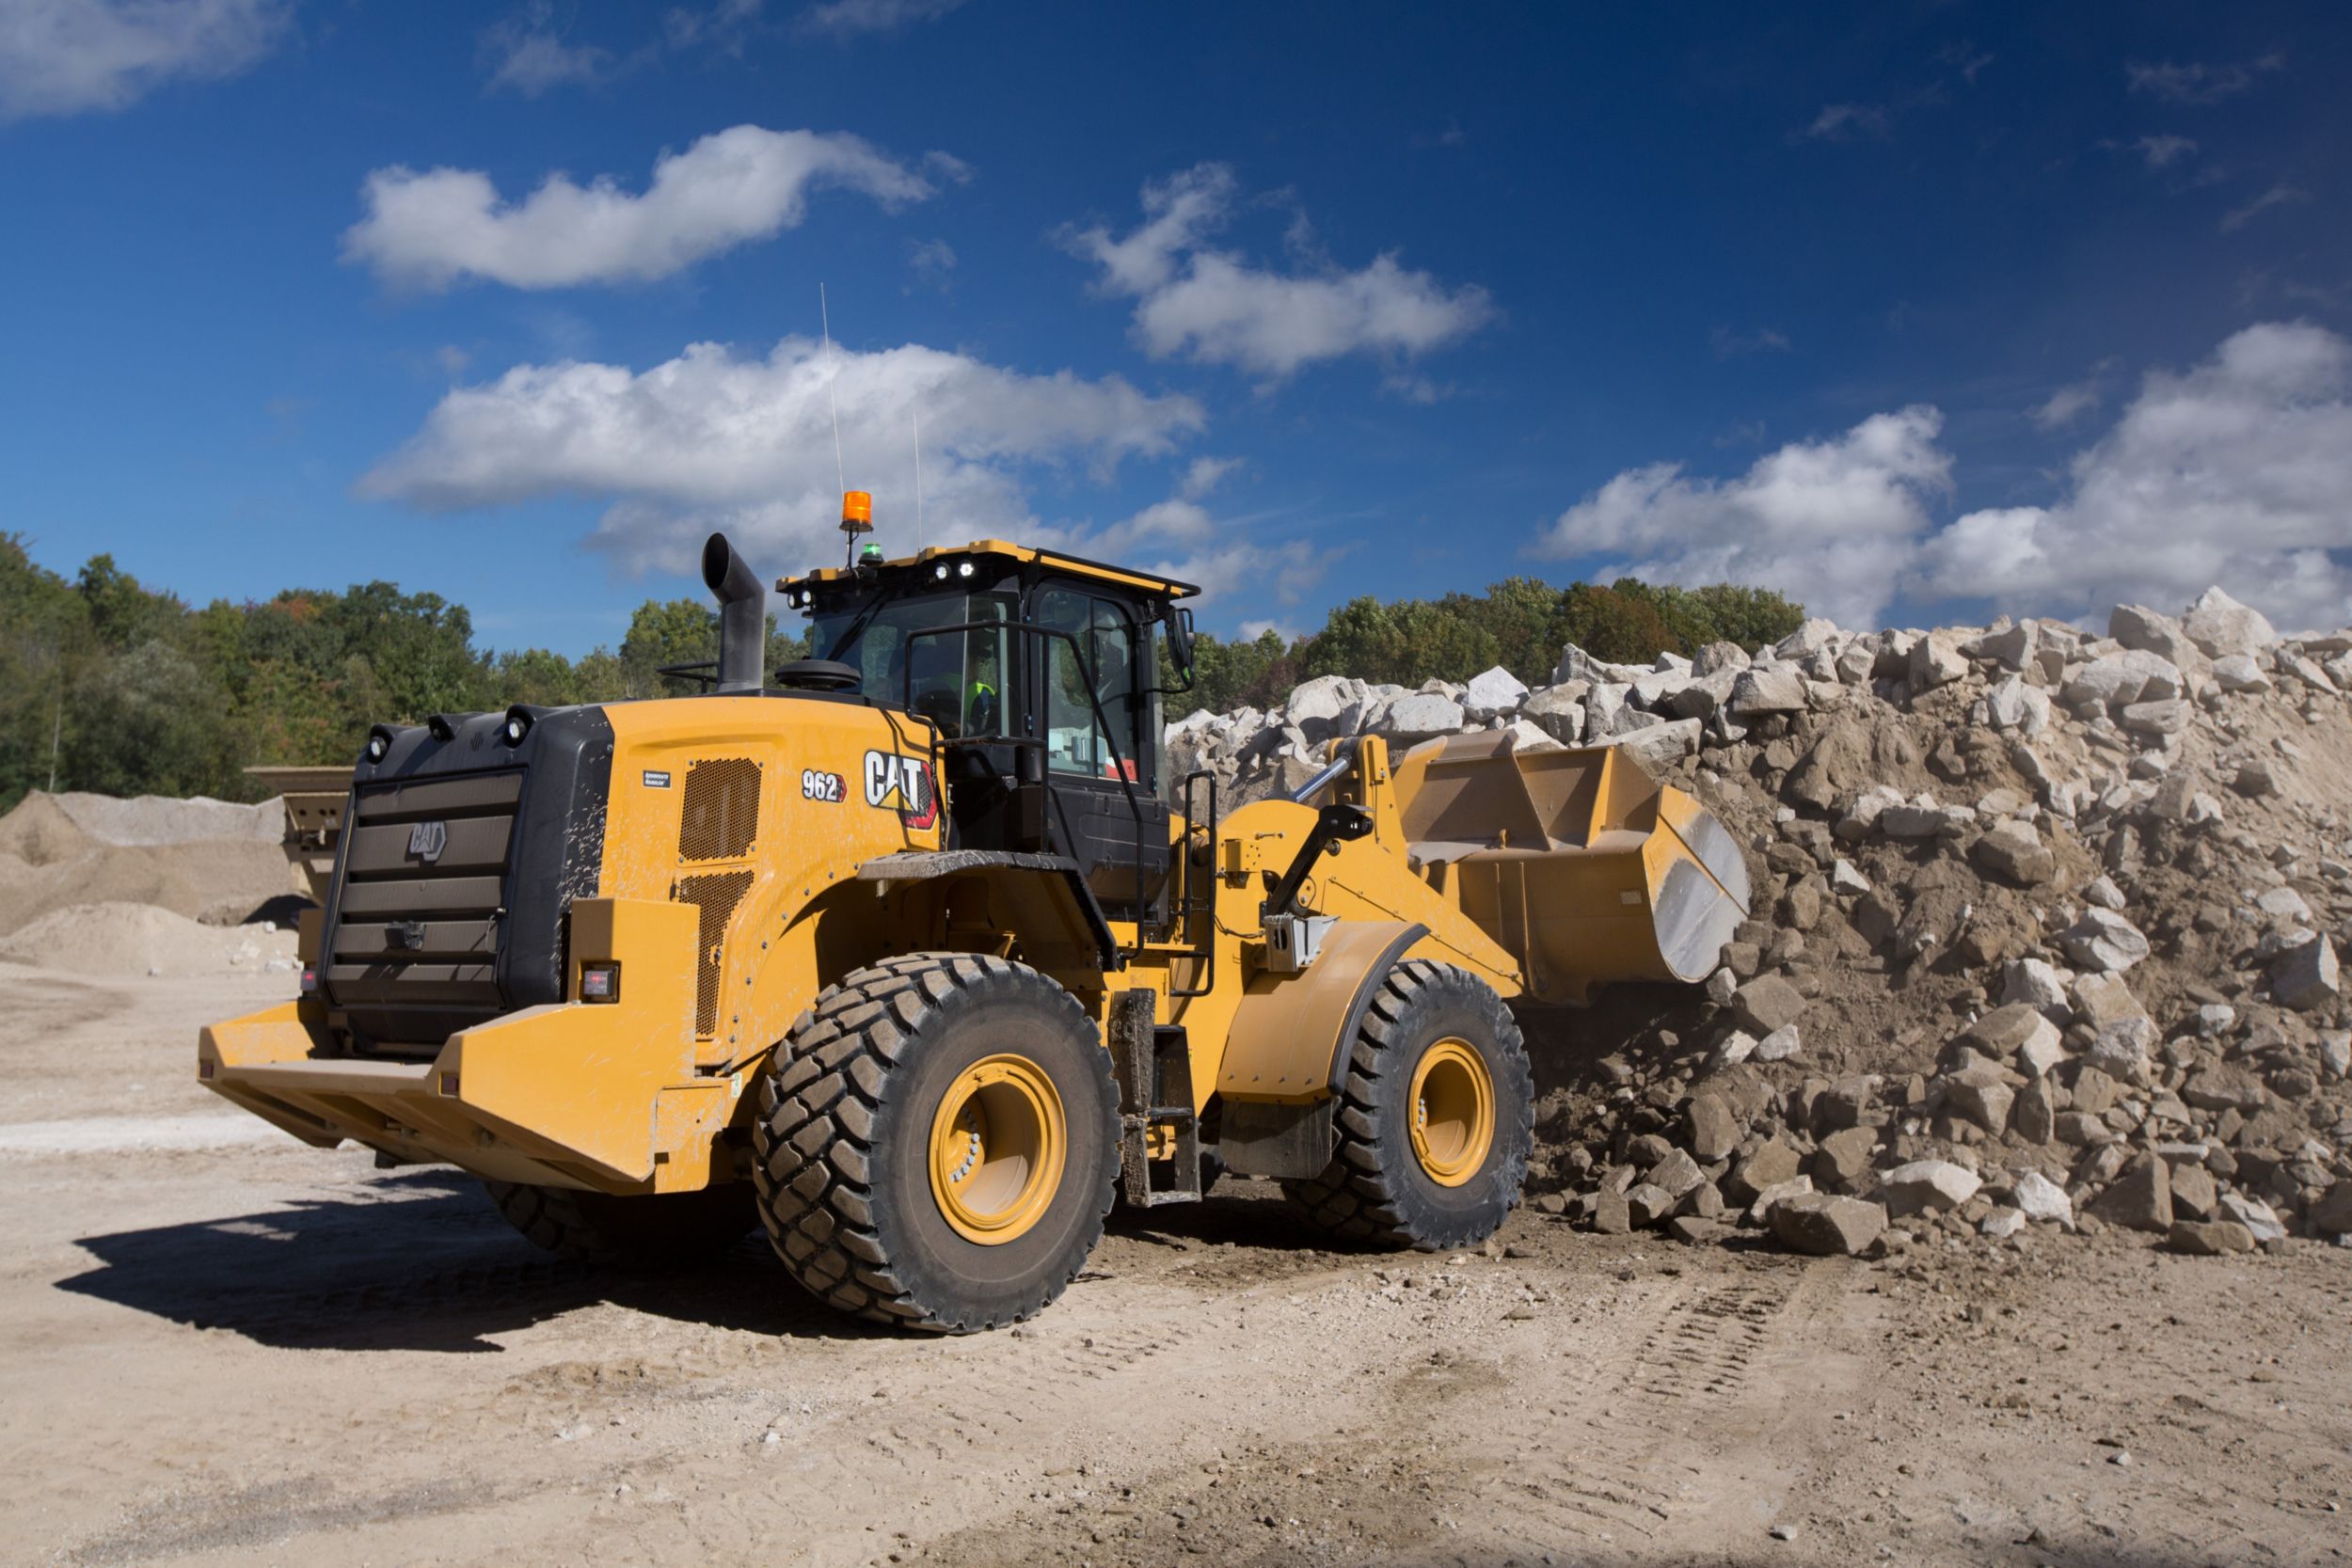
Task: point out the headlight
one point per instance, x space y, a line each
963 568
516 726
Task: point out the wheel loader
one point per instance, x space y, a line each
913 954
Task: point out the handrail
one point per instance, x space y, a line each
1101 719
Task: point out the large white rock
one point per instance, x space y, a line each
1935 661
2138 626
1605 707
2038 1198
2306 978
1926 1184
1661 745
2038 984
1775 690
2104 941
2239 672
2013 646
1651 689
2219 625
1807 640
2100 682
1421 715
1493 692
1718 657
1315 707
1559 710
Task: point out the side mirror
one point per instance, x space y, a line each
1179 639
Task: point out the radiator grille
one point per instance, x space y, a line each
412 958
721 816
715 896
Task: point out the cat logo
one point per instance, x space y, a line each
903 785
426 841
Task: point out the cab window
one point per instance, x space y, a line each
1104 639
955 679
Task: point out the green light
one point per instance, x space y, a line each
871 555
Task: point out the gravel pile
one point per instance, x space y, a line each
2045 937
206 860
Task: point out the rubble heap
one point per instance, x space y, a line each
2044 937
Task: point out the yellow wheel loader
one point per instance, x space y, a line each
913 954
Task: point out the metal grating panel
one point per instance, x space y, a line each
721 816
716 897
412 955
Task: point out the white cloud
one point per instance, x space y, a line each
933 263
432 228
709 439
2165 150
2277 196
724 25
1182 539
63 56
1212 307
2065 405
1846 121
1764 339
1204 475
848 19
1828 522
2237 472
526 53
2197 81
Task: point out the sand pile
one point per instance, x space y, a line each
140 939
205 860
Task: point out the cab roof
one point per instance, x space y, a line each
1149 582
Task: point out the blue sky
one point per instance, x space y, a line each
1913 311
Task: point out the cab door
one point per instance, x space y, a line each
1102 807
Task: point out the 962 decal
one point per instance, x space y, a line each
831 789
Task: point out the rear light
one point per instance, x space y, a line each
205 1067
601 982
449 1084
309 979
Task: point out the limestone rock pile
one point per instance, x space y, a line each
2045 936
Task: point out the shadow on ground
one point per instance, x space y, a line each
416 1261
419 1261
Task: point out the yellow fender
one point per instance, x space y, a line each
1288 1045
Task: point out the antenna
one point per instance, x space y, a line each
824 317
919 479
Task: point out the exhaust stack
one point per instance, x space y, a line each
742 617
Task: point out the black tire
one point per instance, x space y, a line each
655 1231
843 1142
1374 1189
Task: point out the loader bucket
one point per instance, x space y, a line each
1580 864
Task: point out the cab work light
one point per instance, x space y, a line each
601 982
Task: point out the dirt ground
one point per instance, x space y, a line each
221 1346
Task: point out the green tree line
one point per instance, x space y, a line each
107 685
1519 624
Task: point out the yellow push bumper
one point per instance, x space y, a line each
601 1096
1577 863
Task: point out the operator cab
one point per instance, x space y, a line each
1039 673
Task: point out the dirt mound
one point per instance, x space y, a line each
161 819
140 939
205 860
39 832
2044 934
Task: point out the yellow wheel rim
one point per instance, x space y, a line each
1452 1107
998 1141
